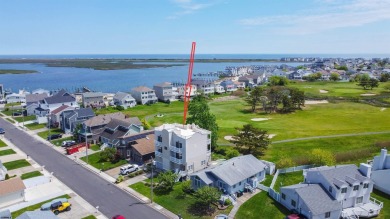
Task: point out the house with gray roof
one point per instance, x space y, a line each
144 95
206 87
71 118
231 176
117 128
325 187
124 99
96 125
58 99
164 92
38 214
93 99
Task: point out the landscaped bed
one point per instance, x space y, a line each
2 144
176 201
7 152
30 175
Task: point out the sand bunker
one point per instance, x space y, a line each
259 119
323 91
383 109
271 136
312 102
367 94
228 137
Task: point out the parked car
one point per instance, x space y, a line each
68 143
17 114
128 169
221 216
54 136
2 131
296 216
118 217
46 206
58 207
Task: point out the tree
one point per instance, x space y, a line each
345 68
119 108
285 162
384 77
275 96
199 114
321 157
313 77
287 104
232 153
76 132
251 140
145 124
364 81
166 180
334 77
373 83
278 81
297 97
207 195
186 186
108 154
254 97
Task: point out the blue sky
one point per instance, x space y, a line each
218 26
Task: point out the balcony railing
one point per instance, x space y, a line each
175 160
175 149
158 154
157 143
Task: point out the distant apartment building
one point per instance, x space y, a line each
164 91
182 148
204 86
183 91
144 95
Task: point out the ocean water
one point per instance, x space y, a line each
51 78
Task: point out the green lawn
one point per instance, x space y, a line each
268 180
10 111
36 206
95 147
89 217
336 89
2 144
288 179
175 201
58 142
261 206
385 213
16 164
94 160
12 104
35 126
7 152
25 118
10 120
44 134
31 175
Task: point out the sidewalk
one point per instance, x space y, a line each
124 187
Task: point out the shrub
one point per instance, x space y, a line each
186 187
227 202
148 184
232 153
6 176
131 175
285 162
321 157
120 179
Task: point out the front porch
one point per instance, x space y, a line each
370 209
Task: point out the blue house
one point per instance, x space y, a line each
232 176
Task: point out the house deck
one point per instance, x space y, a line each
369 209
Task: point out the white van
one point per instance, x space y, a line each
128 169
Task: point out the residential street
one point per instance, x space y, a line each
97 191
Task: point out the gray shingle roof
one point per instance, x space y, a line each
93 94
164 84
32 98
238 169
103 119
142 89
121 95
82 112
316 199
61 97
205 177
37 215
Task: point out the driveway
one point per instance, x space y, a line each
91 187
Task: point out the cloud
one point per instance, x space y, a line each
189 7
330 15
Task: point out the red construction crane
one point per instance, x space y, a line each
188 87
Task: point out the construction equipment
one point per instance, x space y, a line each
188 87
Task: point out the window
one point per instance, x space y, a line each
234 186
327 214
179 145
159 138
165 147
365 185
128 153
203 162
293 203
330 189
283 196
359 200
239 183
344 190
190 167
356 187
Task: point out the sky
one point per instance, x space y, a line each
217 26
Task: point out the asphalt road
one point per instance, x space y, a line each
95 190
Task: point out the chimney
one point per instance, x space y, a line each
382 159
365 170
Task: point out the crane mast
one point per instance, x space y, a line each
188 87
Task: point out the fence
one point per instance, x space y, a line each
275 195
294 169
263 187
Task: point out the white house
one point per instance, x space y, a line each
144 95
17 97
124 99
11 191
53 102
3 171
183 91
232 176
380 172
332 192
182 148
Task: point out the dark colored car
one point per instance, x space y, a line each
17 114
2 131
54 136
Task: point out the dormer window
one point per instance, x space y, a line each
365 185
343 190
159 138
356 187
